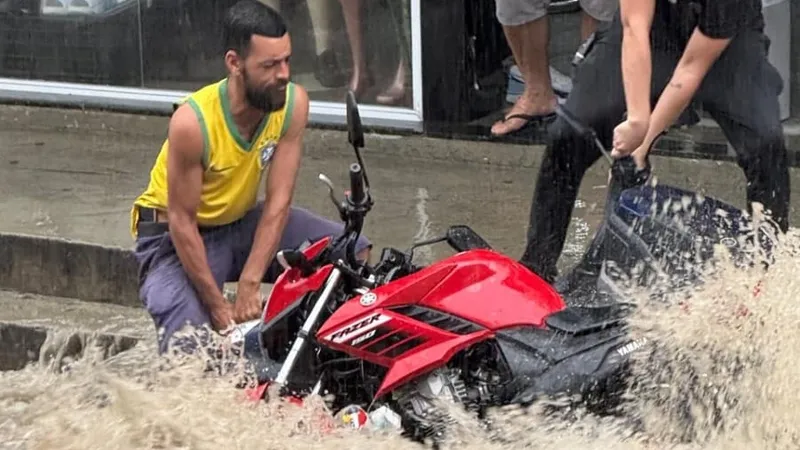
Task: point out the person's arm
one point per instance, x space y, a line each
184 178
636 65
700 54
281 178
637 19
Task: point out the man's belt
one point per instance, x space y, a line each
148 214
148 225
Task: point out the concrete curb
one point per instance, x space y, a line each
67 268
703 141
23 344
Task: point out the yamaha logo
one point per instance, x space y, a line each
368 299
631 347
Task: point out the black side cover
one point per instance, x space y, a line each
551 362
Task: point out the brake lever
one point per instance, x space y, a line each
331 193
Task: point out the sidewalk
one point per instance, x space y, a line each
73 173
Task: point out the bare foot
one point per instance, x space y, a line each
360 81
397 91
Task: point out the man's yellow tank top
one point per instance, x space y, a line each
233 166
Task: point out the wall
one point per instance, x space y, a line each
67 268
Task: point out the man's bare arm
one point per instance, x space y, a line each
281 178
184 178
637 19
700 54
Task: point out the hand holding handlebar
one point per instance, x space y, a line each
628 136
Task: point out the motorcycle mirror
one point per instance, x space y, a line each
355 132
462 238
416 245
295 259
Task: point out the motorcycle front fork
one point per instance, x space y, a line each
302 336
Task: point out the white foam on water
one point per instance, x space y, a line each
422 255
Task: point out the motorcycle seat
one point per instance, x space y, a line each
586 319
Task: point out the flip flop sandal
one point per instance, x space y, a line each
529 119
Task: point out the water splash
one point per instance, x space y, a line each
720 373
423 255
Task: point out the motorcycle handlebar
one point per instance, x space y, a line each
356 184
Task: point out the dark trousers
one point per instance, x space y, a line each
167 292
740 92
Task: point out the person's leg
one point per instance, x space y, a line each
397 90
360 79
302 226
741 93
598 101
595 11
167 292
328 71
588 25
274 4
321 14
525 25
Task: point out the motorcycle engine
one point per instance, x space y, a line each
427 402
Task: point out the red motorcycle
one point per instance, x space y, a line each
477 328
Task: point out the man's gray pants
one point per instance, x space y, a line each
167 292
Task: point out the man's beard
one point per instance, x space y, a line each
268 99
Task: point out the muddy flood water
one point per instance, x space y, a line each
725 378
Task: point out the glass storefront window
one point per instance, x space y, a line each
336 44
82 41
167 48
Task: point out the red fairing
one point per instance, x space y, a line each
324 422
290 285
257 393
483 287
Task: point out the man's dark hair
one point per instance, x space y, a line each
246 18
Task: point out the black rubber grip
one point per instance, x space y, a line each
356 184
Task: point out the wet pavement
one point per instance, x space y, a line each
74 174
79 184
76 178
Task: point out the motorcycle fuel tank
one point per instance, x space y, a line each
480 286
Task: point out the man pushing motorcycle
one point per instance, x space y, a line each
713 51
199 224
